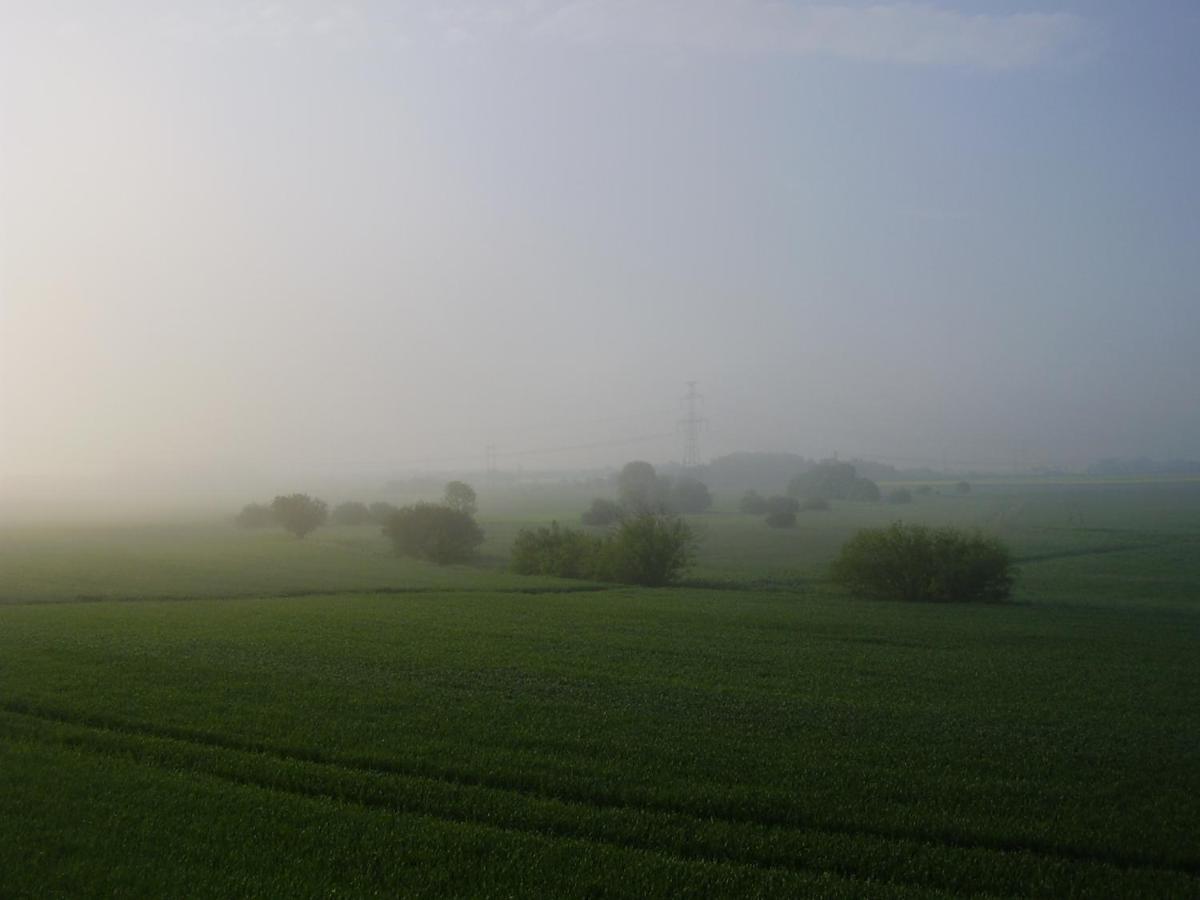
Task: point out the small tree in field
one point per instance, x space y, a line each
433 532
916 563
299 513
781 512
255 515
651 549
460 496
602 512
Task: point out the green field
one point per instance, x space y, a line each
193 710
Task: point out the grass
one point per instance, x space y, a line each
463 734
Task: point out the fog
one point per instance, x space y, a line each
248 247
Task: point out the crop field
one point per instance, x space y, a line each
194 710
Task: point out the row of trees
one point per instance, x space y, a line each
640 490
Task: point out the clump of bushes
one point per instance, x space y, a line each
434 532
602 512
299 513
255 515
916 563
352 513
781 512
650 549
460 496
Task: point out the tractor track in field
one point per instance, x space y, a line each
673 815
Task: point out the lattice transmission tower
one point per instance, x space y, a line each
690 426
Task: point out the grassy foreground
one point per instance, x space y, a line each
479 736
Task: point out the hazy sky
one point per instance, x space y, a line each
281 238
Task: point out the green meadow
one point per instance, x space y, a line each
196 710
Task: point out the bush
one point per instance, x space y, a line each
815 504
255 515
299 513
650 549
863 489
900 495
556 551
962 487
638 487
602 512
351 513
460 496
916 563
434 532
753 503
381 512
690 495
781 512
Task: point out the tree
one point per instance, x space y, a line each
434 532
637 486
691 495
299 513
460 496
556 551
351 513
651 549
602 512
255 515
917 563
781 512
381 512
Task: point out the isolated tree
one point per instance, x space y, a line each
650 549
690 495
916 563
255 515
434 532
460 496
299 513
781 512
637 486
351 513
602 512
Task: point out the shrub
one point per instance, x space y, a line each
753 503
602 512
781 512
556 551
299 513
434 532
916 563
460 496
638 486
255 515
863 489
900 495
650 549
962 487
351 513
815 504
690 495
381 512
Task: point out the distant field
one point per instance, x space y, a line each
297 718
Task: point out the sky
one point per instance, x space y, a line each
262 242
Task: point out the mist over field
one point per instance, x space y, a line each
249 246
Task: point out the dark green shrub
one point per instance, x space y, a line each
556 551
863 489
299 513
916 563
433 532
602 512
753 503
781 512
690 495
900 495
255 515
351 513
650 549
